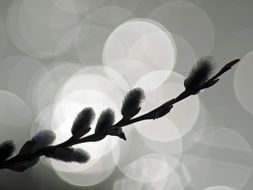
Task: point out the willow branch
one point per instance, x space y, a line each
156 113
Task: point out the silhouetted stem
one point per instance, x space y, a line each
153 114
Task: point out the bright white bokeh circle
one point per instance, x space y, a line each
95 170
86 88
101 164
139 45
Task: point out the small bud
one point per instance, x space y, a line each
200 73
132 103
39 141
81 125
105 121
69 155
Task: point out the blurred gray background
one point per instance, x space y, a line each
38 36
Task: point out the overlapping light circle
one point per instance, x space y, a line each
141 45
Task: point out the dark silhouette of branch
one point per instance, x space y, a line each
40 145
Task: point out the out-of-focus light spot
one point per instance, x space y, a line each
141 45
91 78
242 82
101 165
85 88
3 38
67 108
41 29
177 15
13 110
